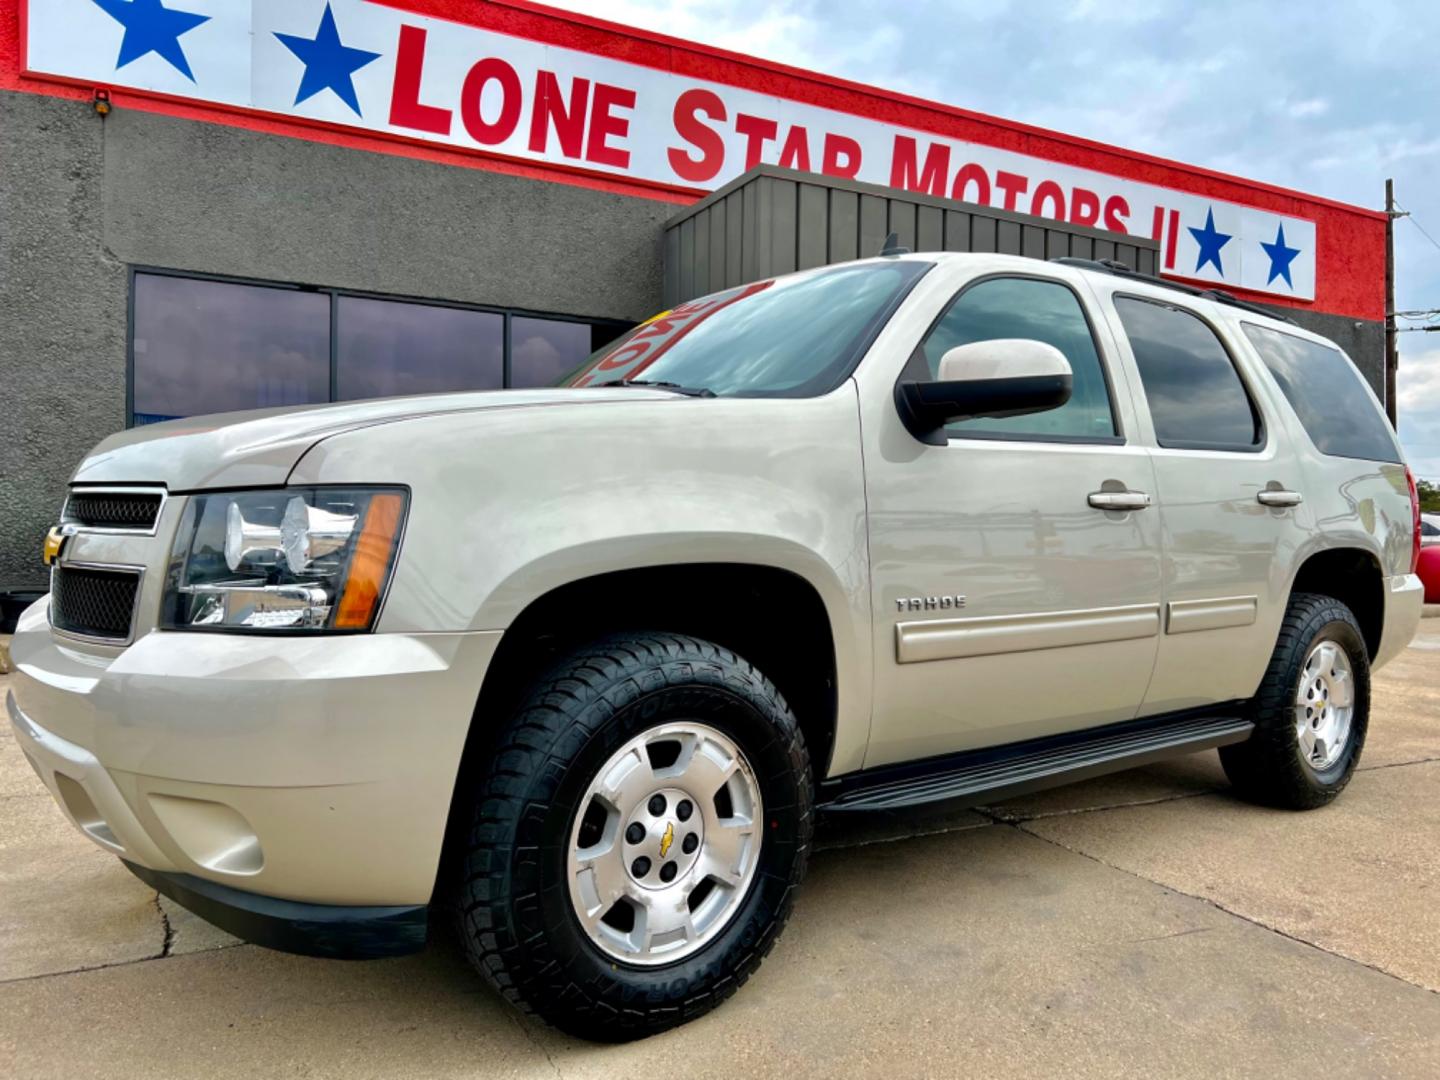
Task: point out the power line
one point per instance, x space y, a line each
1419 226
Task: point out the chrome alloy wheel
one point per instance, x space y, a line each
665 844
1324 705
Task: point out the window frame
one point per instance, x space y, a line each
1262 427
917 358
335 293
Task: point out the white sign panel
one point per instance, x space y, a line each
377 68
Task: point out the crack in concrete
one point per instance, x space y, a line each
1167 937
1396 764
167 940
1019 827
523 1024
1002 816
88 968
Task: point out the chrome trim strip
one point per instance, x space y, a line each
107 489
953 639
1187 616
114 568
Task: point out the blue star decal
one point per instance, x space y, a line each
1211 240
152 27
328 63
1280 258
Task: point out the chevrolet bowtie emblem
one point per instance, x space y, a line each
667 839
54 544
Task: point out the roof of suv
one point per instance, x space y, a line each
1216 300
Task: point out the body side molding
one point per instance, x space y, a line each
1215 613
952 639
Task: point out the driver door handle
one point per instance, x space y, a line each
1119 500
1279 497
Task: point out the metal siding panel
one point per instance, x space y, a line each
672 267
984 233
784 225
687 260
764 227
901 215
1147 262
1082 247
1104 249
1127 254
812 242
717 246
734 245
750 233
957 230
1057 244
844 226
930 229
702 252
872 225
1032 241
1007 237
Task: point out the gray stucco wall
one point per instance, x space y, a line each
62 317
81 200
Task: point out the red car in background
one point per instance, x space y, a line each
1429 568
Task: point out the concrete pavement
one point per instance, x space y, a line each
1146 924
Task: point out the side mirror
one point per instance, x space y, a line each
1004 377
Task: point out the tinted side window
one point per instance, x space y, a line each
1196 397
1336 408
1042 311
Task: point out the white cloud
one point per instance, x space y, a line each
1417 386
1309 107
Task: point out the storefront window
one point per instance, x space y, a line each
209 346
201 345
387 348
542 350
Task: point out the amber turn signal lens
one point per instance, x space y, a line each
374 552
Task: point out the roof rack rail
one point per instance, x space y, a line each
1120 269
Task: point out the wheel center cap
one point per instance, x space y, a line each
662 838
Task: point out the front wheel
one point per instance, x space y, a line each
639 837
1311 711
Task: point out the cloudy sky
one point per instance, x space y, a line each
1323 96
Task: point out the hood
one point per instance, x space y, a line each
252 449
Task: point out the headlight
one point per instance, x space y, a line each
295 559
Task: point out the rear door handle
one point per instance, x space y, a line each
1279 497
1119 500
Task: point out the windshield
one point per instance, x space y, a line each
796 336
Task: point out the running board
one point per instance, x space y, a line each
995 773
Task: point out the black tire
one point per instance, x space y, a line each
1270 768
517 922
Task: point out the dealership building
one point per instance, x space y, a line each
213 205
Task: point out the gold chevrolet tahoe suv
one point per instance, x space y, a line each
581 666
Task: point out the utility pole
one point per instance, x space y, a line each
1392 355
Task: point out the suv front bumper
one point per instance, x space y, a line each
311 771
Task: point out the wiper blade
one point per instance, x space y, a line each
688 391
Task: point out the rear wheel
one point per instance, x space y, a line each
638 839
1311 711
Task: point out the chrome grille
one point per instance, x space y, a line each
110 509
94 603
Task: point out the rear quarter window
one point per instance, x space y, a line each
1336 407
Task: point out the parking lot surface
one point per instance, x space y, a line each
1144 924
